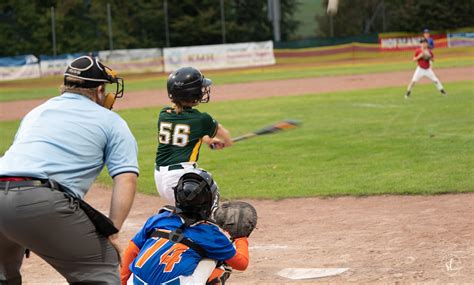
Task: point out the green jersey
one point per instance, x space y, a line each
180 135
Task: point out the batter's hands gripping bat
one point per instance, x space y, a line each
275 128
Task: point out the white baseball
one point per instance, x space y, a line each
332 7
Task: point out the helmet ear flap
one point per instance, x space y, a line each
109 100
175 190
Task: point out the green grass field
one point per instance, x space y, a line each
49 87
351 143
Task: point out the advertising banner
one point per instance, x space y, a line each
464 39
407 42
56 65
19 67
133 60
220 56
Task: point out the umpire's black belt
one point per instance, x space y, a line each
101 222
7 185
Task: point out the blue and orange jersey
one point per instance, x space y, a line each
160 260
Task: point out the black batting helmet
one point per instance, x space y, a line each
196 194
188 84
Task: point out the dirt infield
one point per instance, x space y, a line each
380 239
149 98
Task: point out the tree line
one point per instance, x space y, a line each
377 16
81 25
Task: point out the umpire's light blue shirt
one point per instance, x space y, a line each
69 139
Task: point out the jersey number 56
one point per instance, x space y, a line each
175 134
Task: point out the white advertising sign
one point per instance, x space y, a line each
12 69
55 66
133 60
220 56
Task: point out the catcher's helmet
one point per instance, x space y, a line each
196 194
188 84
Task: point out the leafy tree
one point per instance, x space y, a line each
81 25
245 20
366 16
25 27
351 19
249 20
413 16
192 24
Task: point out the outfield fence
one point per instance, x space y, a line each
146 60
241 55
460 39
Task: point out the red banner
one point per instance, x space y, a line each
408 42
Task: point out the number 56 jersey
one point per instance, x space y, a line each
161 260
180 135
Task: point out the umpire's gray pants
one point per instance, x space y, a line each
56 229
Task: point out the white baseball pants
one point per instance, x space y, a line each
421 72
199 276
166 179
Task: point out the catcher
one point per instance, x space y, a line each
182 245
424 56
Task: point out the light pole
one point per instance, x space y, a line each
223 21
331 26
167 32
274 15
109 21
53 30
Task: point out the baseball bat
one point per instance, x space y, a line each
274 128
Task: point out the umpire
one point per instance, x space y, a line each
60 148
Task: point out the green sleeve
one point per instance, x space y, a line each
209 125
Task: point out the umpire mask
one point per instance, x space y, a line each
94 73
